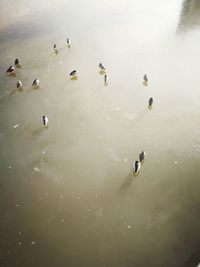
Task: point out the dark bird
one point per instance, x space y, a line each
45 120
55 48
142 156
136 167
150 101
35 82
73 73
19 84
105 78
145 78
101 67
10 69
17 62
68 42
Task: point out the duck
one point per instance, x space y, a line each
136 167
17 62
10 69
45 120
105 78
73 73
35 82
145 78
68 42
55 48
150 102
142 156
19 84
101 67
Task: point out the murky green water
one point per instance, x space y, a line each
67 194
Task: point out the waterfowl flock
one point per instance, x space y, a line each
73 74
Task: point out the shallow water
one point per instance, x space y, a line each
67 193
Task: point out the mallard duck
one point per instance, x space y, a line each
101 67
142 156
68 42
17 62
55 48
10 69
19 84
145 78
73 73
45 120
35 82
136 167
150 102
105 78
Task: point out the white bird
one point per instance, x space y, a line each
19 84
45 120
10 69
136 167
35 82
101 67
142 156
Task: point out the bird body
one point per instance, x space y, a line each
17 62
10 69
105 78
145 78
142 156
150 101
101 67
55 48
45 120
35 82
73 73
19 84
136 167
68 42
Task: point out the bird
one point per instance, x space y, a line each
73 73
35 82
145 78
19 84
142 156
136 167
55 48
45 120
68 42
101 67
10 69
105 78
17 62
150 102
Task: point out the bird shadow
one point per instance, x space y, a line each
74 78
106 83
126 183
18 66
36 87
102 72
150 107
12 74
145 83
